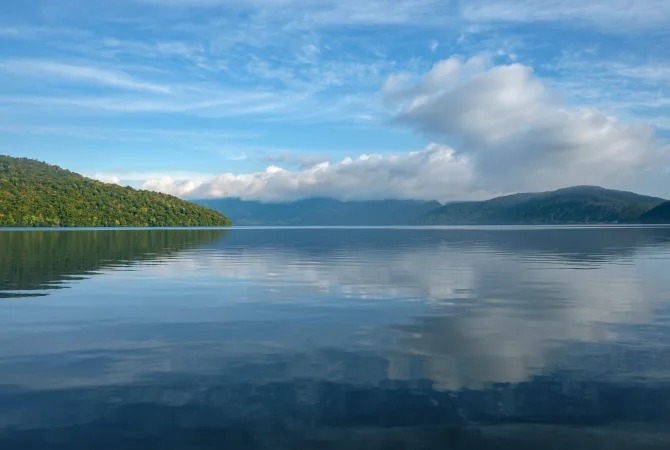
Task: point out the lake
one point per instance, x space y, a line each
357 338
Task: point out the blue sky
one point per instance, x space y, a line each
282 99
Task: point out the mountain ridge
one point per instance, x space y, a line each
571 205
321 211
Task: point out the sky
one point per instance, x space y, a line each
277 100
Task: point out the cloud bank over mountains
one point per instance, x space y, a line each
494 129
415 175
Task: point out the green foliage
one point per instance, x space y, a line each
36 194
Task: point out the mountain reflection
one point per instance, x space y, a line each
588 244
38 260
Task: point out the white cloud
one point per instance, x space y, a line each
239 157
105 178
300 160
436 172
632 87
310 13
510 133
138 176
169 185
145 135
518 134
93 75
614 15
216 103
617 16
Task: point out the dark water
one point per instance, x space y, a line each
486 338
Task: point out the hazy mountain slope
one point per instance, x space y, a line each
321 211
34 193
658 214
579 204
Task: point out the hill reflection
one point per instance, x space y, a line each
39 260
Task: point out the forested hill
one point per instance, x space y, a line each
573 205
660 214
34 193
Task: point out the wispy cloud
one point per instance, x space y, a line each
317 13
617 16
145 134
9 31
614 15
51 70
218 104
239 157
630 85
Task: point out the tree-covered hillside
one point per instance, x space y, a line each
660 214
577 204
34 193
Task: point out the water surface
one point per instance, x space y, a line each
470 338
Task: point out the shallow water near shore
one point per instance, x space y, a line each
342 338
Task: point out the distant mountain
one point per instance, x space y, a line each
573 205
321 211
36 194
659 214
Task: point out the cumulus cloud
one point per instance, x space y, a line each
509 132
435 172
516 132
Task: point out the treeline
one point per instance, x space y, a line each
36 194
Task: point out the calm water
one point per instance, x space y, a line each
335 339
